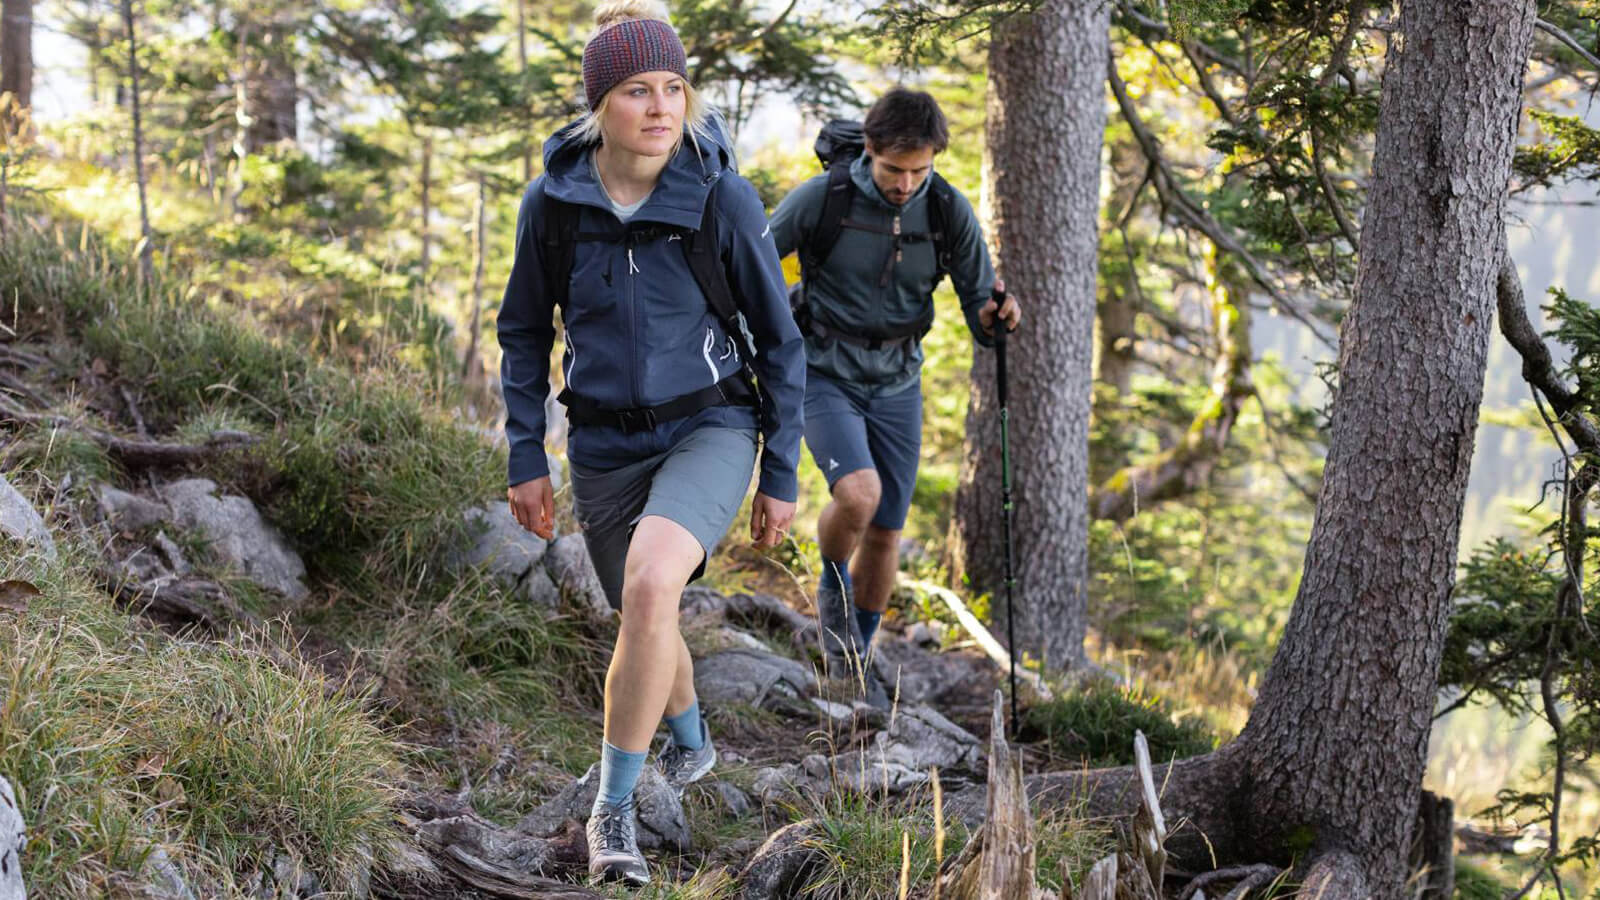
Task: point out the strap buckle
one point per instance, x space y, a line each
633 421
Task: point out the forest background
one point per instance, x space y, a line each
342 180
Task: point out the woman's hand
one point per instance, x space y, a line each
769 521
533 504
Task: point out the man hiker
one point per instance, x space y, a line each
876 233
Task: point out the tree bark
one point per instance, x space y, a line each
1328 770
273 90
1336 743
472 365
1186 466
145 242
1046 77
427 209
522 72
16 50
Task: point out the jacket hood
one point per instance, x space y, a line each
679 197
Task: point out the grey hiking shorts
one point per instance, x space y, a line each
699 484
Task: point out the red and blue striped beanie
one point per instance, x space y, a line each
624 49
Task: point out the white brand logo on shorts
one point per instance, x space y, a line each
832 464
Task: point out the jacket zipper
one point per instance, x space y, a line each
633 325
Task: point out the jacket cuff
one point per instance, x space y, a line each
526 464
778 484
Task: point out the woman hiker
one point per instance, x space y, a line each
657 368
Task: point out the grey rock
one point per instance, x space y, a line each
541 591
558 470
779 783
172 554
743 639
838 712
238 535
755 678
783 865
20 521
737 801
499 544
163 879
129 512
573 572
925 676
661 821
920 634
900 758
13 838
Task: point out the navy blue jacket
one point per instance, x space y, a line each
639 331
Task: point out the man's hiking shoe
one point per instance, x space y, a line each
614 845
681 766
841 636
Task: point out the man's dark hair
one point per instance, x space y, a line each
906 120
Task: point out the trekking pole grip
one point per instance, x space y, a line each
1000 345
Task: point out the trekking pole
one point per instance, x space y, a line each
1005 497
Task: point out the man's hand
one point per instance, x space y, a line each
1010 312
534 505
769 521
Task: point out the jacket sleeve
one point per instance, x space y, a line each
526 336
970 269
756 277
797 214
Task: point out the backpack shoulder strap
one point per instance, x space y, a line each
835 206
704 256
557 231
941 213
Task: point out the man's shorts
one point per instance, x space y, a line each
699 484
847 434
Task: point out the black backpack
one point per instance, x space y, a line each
838 145
560 232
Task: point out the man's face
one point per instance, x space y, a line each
898 173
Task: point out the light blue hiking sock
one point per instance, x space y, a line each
619 770
867 621
836 575
685 728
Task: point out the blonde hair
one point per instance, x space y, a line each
695 111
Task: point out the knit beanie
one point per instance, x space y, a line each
623 49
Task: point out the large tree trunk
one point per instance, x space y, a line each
1338 738
145 242
1046 119
16 50
273 90
1329 767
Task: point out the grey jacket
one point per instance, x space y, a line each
847 288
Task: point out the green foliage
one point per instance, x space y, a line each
120 740
1570 151
1473 883
352 464
1520 632
1095 724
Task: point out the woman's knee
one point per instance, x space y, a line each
650 596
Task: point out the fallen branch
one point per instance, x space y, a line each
982 635
1241 874
180 601
498 861
133 453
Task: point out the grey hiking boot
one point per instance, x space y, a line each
681 766
841 636
614 845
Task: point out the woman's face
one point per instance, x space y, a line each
644 114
